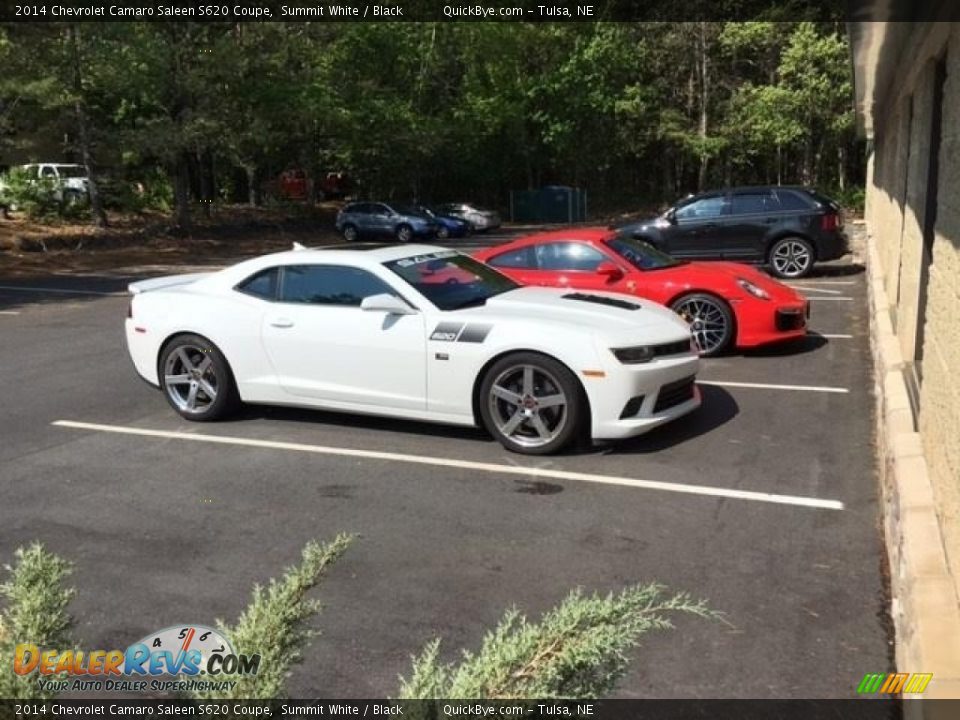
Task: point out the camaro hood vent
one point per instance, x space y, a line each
602 300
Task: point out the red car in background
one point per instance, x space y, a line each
726 304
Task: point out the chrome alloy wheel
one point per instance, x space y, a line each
791 258
190 379
528 405
709 325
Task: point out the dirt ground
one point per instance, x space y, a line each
29 248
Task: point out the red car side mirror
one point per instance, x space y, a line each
610 271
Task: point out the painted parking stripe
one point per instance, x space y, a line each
62 291
705 490
765 386
835 336
841 298
822 290
803 283
9 312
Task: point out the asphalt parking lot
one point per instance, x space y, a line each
764 502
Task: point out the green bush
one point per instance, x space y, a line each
577 650
35 611
37 198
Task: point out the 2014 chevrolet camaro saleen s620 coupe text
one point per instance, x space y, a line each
416 332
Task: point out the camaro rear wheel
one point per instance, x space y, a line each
404 233
711 322
196 379
443 233
350 233
531 404
791 257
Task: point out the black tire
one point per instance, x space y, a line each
404 233
443 233
711 321
191 394
72 198
550 379
350 233
791 258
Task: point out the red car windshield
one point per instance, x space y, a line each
640 254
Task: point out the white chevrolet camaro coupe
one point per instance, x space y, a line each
413 331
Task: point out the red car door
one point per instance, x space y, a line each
577 265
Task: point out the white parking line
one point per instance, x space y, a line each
706 490
62 291
9 312
835 336
765 386
821 290
842 298
801 283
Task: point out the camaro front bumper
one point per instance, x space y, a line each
633 399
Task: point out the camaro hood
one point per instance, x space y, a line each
604 313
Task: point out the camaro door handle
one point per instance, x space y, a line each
281 323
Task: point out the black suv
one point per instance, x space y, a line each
786 228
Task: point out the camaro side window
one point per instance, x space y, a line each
262 285
330 285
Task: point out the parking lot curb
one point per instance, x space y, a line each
924 606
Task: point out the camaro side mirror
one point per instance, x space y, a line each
610 271
671 216
385 302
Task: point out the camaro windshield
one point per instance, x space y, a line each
641 254
451 281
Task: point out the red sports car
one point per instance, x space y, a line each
726 304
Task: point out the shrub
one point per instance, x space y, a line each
35 611
577 650
36 197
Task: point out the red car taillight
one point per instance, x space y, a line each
830 221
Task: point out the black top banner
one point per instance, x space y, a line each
464 11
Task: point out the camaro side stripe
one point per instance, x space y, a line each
729 493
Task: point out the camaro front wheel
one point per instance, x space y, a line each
531 404
196 379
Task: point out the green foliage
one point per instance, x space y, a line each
274 623
34 611
37 198
577 650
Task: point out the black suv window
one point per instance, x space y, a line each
522 258
708 207
790 200
262 284
330 285
569 256
754 202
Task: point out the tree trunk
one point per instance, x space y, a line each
841 166
251 172
704 72
181 190
779 164
96 202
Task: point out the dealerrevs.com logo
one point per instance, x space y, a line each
170 660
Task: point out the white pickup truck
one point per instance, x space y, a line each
71 182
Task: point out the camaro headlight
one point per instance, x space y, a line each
634 355
757 292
